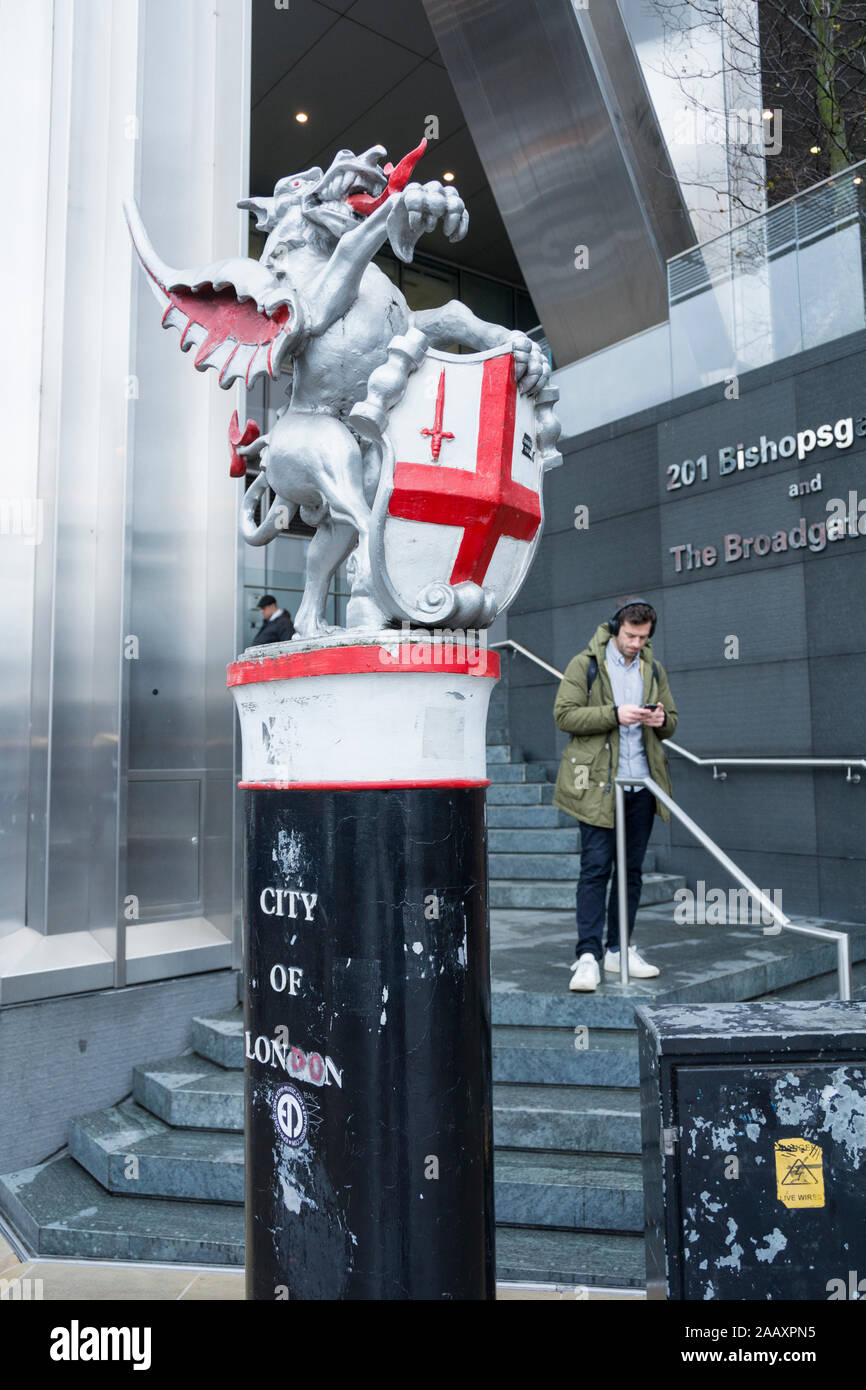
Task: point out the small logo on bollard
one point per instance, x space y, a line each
290 1115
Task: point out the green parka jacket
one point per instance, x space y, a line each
585 785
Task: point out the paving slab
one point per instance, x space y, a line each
531 953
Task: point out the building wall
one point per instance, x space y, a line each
77 1054
794 686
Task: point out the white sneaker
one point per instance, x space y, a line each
585 974
638 968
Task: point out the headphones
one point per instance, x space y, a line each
613 622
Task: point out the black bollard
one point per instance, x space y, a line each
753 1118
369 1144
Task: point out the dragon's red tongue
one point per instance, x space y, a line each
365 203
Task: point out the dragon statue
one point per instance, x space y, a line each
316 297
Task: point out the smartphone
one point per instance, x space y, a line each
649 706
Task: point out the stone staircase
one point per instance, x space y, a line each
534 847
160 1175
569 1191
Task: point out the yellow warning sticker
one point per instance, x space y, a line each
799 1173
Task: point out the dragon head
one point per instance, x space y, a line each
322 207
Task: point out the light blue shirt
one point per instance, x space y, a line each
627 685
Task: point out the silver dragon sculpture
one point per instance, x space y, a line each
316 296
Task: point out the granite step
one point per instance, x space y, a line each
203 1165
496 734
534 866
590 1119
826 986
520 793
502 753
520 1053
591 1258
532 1187
593 1192
535 840
575 1056
58 1209
540 853
191 1092
517 772
556 894
129 1150
536 817
220 1038
593 1011
516 865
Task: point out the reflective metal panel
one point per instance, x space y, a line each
129 589
76 697
24 109
184 532
559 112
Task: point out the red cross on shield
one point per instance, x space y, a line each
460 495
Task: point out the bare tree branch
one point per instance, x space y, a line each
810 56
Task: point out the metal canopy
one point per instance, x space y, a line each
562 120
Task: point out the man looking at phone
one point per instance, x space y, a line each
615 701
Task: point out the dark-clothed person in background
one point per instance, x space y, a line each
278 625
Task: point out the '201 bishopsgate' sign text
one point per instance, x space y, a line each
737 458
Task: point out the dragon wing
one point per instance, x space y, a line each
239 317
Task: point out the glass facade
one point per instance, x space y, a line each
427 283
784 282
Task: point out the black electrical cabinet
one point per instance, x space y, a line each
753 1122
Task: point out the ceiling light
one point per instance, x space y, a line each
858 179
814 149
768 115
301 117
448 177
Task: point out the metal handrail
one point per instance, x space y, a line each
713 762
842 939
531 655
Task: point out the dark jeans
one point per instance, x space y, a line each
597 858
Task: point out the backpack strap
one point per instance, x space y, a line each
591 673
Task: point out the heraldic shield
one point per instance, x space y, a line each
458 511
